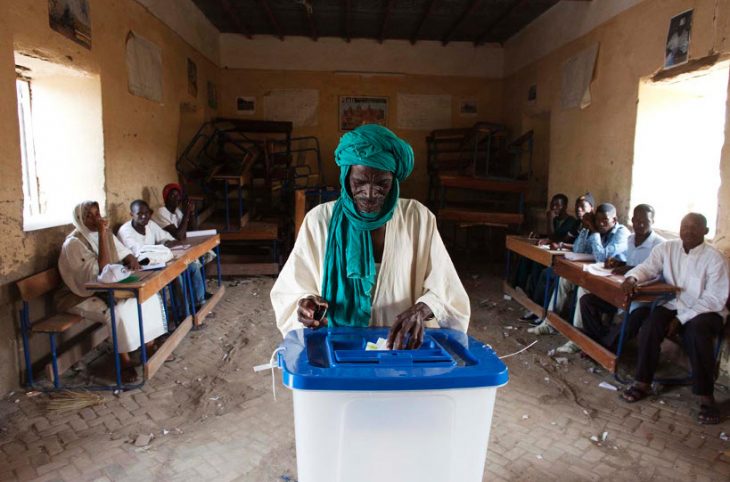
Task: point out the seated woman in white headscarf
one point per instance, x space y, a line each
85 253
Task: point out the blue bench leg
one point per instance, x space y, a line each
142 347
218 263
117 362
24 330
54 360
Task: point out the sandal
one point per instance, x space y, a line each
170 358
633 394
709 415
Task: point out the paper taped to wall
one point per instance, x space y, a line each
299 106
144 68
577 74
424 112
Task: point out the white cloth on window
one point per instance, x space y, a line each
164 218
135 241
415 267
701 275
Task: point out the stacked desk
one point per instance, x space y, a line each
152 282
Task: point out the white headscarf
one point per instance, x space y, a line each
90 237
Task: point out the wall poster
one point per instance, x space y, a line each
680 28
359 110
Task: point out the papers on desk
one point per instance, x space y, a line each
180 247
597 269
204 232
151 267
579 257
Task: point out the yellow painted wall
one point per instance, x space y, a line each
592 149
140 136
331 86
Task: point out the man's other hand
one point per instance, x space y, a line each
629 285
407 331
131 262
311 311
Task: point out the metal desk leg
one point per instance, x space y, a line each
54 360
240 202
142 347
117 362
546 295
228 208
218 262
620 347
24 330
507 263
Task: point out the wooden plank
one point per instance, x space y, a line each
465 215
38 284
199 317
82 344
522 298
300 208
57 323
593 349
249 269
528 248
155 362
253 231
491 185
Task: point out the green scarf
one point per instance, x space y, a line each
349 265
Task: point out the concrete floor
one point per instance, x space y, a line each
212 418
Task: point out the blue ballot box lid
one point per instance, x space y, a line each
336 359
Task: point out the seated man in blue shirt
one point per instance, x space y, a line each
593 308
606 238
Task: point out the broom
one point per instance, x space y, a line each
68 401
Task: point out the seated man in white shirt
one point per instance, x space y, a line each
701 274
140 231
593 309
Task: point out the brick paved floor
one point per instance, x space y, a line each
212 418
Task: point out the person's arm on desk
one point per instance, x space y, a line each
650 268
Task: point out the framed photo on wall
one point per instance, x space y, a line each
358 110
678 37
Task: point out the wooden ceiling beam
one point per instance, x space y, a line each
386 14
264 5
473 4
346 28
241 27
426 14
308 7
503 16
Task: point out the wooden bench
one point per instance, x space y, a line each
37 286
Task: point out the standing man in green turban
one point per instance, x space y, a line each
371 258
